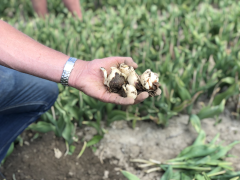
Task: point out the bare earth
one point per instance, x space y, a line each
148 141
121 143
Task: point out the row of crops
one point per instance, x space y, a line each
194 45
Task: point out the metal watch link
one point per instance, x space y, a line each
67 70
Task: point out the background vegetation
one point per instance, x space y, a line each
193 45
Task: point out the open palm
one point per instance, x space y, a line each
91 79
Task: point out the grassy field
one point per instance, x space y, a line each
193 45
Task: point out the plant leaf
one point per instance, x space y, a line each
42 127
129 176
94 140
208 112
196 123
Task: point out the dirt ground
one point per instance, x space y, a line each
36 161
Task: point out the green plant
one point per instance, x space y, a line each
198 161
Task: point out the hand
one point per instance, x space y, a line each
90 80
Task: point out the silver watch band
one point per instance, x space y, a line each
67 70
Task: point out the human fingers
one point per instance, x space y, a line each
141 97
117 99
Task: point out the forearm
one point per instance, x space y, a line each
74 7
20 52
40 6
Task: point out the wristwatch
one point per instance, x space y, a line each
67 70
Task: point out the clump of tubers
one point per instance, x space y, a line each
127 83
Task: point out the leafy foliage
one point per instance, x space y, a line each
199 161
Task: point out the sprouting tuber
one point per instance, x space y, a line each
127 83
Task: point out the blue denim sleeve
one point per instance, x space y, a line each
23 98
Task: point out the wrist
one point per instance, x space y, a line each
76 73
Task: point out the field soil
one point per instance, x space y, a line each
36 160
